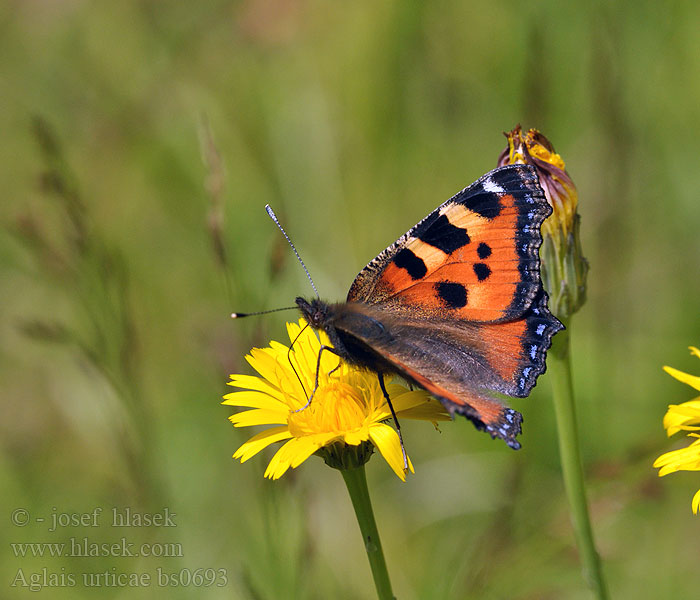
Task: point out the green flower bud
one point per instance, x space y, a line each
563 269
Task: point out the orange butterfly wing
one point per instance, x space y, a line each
456 304
475 256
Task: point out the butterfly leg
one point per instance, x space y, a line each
318 370
396 421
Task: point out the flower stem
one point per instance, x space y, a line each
560 375
356 482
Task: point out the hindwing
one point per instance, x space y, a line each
461 363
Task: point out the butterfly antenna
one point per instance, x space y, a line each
240 315
273 216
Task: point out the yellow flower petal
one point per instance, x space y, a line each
682 416
251 399
306 348
429 409
291 454
275 368
305 448
691 380
403 399
259 416
683 459
261 441
696 502
250 382
278 467
412 404
355 438
387 442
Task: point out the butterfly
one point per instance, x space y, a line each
456 305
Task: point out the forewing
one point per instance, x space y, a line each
475 257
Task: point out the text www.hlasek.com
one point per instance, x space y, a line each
83 547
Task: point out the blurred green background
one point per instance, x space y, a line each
140 143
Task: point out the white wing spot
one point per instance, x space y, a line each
491 186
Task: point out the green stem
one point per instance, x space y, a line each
356 482
559 367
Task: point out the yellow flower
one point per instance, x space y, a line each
684 417
343 423
564 269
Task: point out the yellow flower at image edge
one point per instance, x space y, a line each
683 417
345 419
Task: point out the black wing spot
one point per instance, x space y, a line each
483 203
415 267
454 295
484 251
444 235
512 179
481 271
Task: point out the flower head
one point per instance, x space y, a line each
684 417
564 268
345 420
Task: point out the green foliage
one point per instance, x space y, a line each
140 143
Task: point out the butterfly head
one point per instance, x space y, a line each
315 312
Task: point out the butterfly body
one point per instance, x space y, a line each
348 325
456 305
